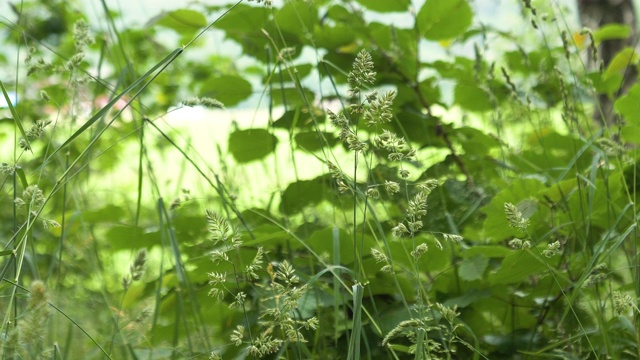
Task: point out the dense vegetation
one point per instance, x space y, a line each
468 206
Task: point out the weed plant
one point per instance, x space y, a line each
520 242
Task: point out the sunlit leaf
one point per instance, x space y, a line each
628 105
183 21
625 58
384 6
444 19
611 31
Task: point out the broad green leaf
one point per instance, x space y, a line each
228 89
243 19
472 268
251 144
296 17
301 194
183 21
384 6
611 31
108 214
471 97
474 141
496 226
630 134
129 237
625 58
292 96
517 267
628 105
333 37
488 251
314 141
444 19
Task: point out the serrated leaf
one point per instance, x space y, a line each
444 19
473 268
228 89
251 144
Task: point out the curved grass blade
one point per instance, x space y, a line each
102 112
16 118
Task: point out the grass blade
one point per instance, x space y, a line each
354 342
16 118
103 111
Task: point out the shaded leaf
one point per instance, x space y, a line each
228 89
473 268
313 141
251 144
517 267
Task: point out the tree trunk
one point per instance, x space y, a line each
594 14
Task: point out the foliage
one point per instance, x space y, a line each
489 219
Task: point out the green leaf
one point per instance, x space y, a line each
251 144
384 6
488 251
630 134
444 19
292 96
183 21
314 141
625 58
611 31
496 226
471 97
333 37
228 89
473 268
296 17
243 19
301 194
629 105
517 267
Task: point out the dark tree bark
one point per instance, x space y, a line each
596 13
